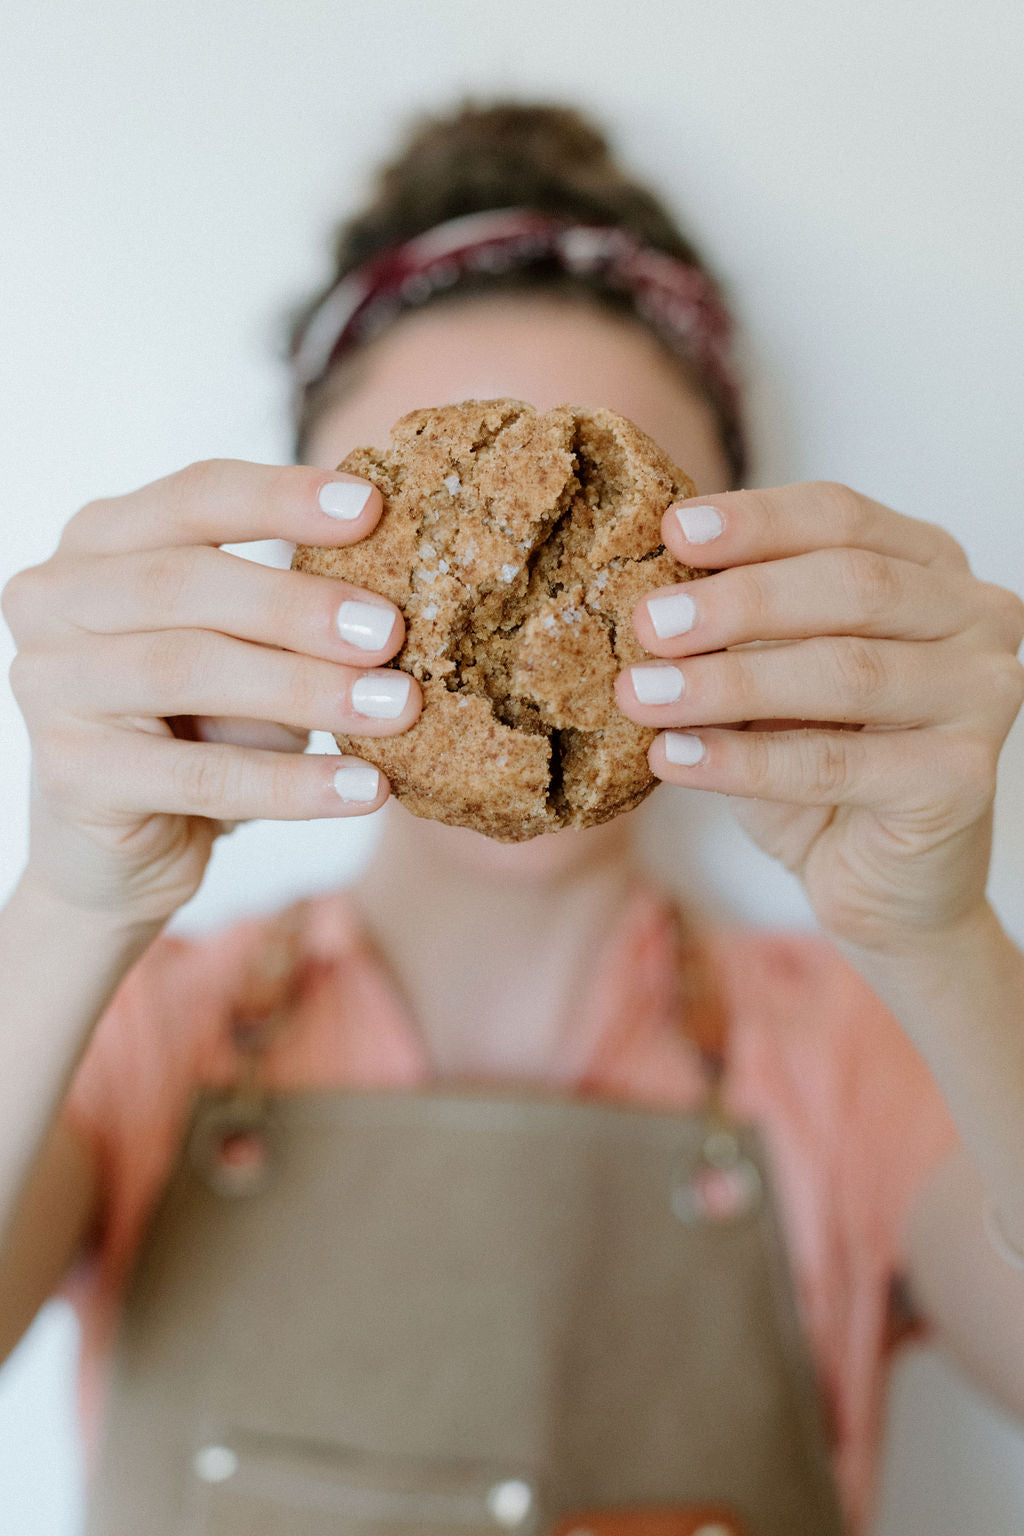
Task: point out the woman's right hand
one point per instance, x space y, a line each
169 686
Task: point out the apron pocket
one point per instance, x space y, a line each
248 1484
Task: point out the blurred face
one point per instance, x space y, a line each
548 351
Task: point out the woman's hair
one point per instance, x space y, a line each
507 155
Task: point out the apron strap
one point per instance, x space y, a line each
274 981
702 1013
283 967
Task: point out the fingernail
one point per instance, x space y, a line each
344 499
683 749
357 782
656 685
366 625
381 695
672 615
700 524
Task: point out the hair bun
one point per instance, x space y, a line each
504 155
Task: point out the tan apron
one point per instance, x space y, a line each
416 1313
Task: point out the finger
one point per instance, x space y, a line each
229 501
740 527
898 770
826 592
265 735
193 672
224 783
843 679
196 587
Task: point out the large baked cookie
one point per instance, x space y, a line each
516 543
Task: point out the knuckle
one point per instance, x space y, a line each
19 600
199 482
164 577
286 482
872 582
1006 682
827 764
749 600
201 475
38 681
859 672
947 549
204 777
285 780
21 676
83 529
300 682
1008 609
847 509
171 662
759 767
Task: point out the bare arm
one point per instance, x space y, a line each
962 1000
60 967
58 1209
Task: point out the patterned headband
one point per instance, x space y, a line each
678 301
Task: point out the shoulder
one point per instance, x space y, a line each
321 927
799 1009
808 1029
799 980
180 997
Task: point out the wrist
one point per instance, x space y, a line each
979 927
37 904
958 992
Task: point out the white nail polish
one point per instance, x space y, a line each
656 685
366 625
672 615
700 524
344 499
381 695
683 749
357 782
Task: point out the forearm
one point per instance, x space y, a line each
59 968
960 997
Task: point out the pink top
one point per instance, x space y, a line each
853 1121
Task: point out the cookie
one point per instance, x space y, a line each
516 542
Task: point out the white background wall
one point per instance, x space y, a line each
169 177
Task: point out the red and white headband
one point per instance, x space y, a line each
678 301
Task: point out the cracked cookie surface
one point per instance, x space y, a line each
516 542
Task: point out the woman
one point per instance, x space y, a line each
168 689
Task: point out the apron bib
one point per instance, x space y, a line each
451 1313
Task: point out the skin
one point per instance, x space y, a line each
876 714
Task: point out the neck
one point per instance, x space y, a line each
495 943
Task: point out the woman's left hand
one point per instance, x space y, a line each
847 678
